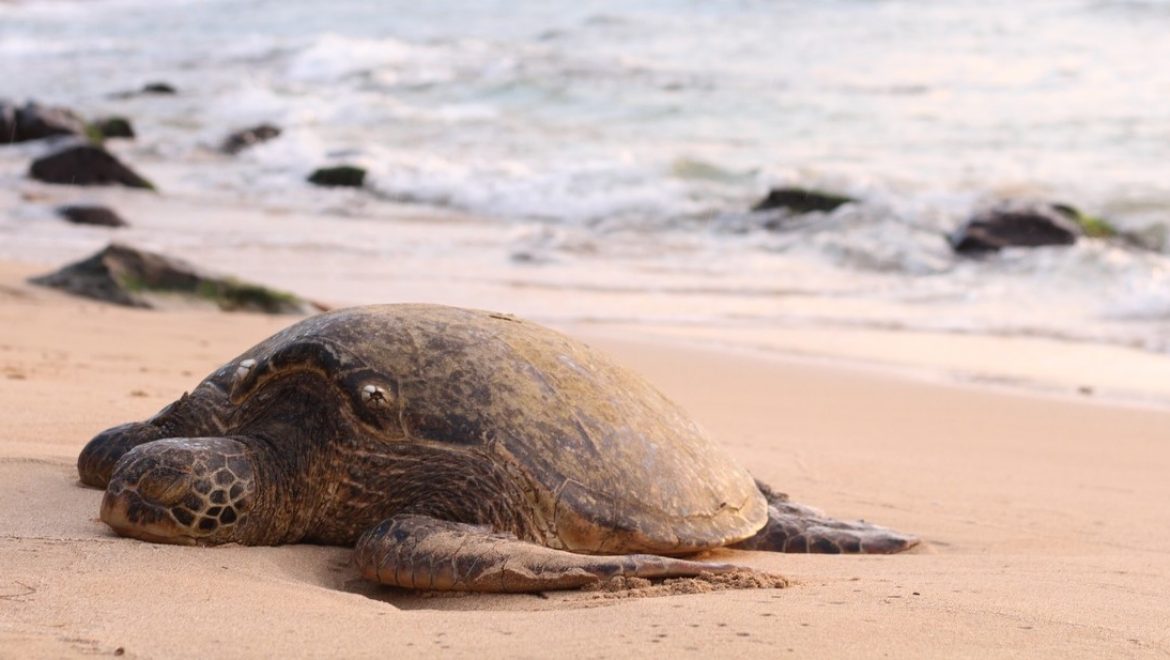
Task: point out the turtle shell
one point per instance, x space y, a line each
610 464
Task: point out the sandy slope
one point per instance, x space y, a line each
1048 520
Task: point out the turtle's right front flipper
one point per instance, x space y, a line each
420 552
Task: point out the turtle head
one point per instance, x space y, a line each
187 491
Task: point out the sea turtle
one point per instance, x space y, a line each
457 449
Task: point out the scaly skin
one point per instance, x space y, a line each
420 552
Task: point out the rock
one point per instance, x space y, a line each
240 140
112 127
92 215
341 176
801 200
1022 226
7 122
124 275
161 88
1047 224
85 165
34 121
149 89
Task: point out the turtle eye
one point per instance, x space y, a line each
375 397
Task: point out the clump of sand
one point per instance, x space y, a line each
636 587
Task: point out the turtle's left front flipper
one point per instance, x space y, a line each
420 552
793 527
193 415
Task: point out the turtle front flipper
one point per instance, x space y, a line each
96 461
420 552
191 415
794 527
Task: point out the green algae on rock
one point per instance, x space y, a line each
1091 226
110 127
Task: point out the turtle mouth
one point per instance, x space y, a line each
128 514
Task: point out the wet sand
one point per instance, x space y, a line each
1045 518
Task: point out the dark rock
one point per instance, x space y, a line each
149 89
801 200
92 215
127 276
240 140
7 123
1027 226
341 176
113 127
159 88
85 165
34 121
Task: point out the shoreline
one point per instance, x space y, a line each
1066 370
1042 517
1062 368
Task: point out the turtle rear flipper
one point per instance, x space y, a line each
793 527
420 552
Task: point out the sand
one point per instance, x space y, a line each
1045 518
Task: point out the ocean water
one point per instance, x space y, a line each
608 151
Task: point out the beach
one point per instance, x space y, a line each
908 262
1043 517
